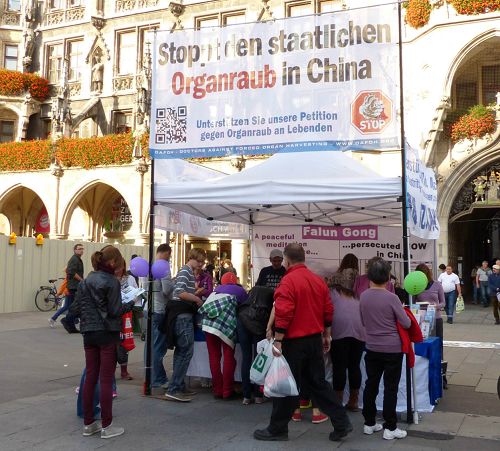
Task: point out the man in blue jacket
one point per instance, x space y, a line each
494 286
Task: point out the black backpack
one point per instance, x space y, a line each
255 311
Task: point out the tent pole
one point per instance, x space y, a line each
404 211
149 330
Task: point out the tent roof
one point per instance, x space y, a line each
286 189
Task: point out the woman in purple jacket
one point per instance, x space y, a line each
348 343
380 313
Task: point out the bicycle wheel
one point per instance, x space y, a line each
45 300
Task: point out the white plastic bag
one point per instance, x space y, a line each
262 362
460 306
279 380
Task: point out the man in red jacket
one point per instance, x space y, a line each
304 313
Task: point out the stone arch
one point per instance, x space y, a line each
465 53
466 168
94 199
22 207
450 189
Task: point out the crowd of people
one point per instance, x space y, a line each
304 315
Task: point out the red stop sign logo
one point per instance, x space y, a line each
371 112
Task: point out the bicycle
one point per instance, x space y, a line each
46 297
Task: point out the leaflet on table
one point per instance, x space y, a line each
132 294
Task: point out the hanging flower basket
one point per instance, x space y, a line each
14 83
418 13
479 121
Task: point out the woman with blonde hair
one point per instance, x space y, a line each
98 302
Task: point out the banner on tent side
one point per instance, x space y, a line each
325 246
180 222
320 82
422 196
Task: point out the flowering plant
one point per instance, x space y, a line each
25 156
479 121
470 7
14 83
87 153
418 13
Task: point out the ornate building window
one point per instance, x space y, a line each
490 84
57 4
10 57
127 53
54 62
6 131
305 7
122 121
14 5
220 19
75 54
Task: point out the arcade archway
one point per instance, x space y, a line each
24 212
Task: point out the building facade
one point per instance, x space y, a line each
95 55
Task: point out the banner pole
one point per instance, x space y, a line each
149 330
404 210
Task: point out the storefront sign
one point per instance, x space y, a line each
320 82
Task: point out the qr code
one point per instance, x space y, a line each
171 125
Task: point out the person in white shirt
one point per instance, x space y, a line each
451 288
482 283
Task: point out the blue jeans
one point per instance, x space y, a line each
485 292
158 374
79 401
67 304
184 345
248 351
450 301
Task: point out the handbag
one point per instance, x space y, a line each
255 311
460 306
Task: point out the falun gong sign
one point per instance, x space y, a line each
323 82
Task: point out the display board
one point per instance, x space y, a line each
325 246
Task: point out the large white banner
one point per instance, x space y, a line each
422 196
318 82
325 246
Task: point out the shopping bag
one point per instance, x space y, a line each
262 362
460 306
127 333
279 380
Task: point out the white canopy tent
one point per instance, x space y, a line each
288 188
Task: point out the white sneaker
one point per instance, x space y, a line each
52 323
112 431
396 433
92 429
369 430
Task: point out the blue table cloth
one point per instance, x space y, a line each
431 349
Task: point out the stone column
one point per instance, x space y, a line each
239 259
442 242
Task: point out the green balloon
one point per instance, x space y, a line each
415 282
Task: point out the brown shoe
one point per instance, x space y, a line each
352 404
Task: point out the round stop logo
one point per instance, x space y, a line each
371 112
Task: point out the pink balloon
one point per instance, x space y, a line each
139 267
160 269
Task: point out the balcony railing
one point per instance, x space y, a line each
11 18
60 16
130 5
